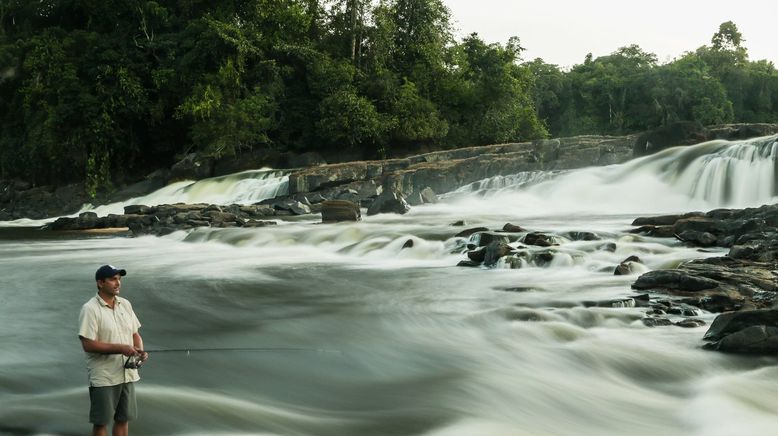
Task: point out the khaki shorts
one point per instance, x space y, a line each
112 403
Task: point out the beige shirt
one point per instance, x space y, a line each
99 322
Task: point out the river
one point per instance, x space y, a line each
360 336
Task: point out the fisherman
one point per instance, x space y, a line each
108 329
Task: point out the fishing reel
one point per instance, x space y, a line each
134 362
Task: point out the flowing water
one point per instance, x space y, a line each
378 339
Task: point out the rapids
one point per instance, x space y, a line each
397 341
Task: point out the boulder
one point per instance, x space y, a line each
673 279
389 202
339 210
192 167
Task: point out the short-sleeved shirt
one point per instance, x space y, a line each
99 322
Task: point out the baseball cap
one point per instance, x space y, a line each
106 271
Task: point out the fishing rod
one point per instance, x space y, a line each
134 362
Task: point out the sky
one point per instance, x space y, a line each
562 32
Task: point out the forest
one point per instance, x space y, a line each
105 92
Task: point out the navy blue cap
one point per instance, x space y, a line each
106 271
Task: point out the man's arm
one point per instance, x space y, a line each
92 346
137 341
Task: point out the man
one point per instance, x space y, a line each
108 329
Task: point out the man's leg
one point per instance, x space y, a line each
99 430
121 428
103 403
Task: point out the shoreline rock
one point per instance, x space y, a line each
743 284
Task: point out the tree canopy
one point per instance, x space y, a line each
104 92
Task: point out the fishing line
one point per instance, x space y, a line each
134 362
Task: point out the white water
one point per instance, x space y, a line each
425 347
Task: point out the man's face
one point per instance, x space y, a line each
110 286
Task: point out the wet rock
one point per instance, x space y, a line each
482 239
495 251
673 279
461 223
389 202
538 239
627 266
135 209
408 244
701 239
512 228
656 322
340 210
690 323
468 263
748 331
477 255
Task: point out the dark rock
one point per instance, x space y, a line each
477 255
627 266
690 323
512 228
656 322
679 133
408 244
339 210
389 202
732 322
482 239
494 251
673 279
702 239
468 263
461 223
538 239
756 339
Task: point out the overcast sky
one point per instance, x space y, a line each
562 32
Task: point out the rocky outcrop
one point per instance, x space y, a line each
744 281
165 219
751 331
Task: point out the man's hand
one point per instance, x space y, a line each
143 356
128 350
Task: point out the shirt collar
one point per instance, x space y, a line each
102 302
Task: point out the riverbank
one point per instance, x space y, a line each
361 181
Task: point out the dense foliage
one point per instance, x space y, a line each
102 92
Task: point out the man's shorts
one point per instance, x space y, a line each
112 403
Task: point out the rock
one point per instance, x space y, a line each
538 239
494 251
468 263
477 255
690 323
618 303
756 339
627 266
482 239
702 239
656 322
407 244
732 322
136 209
673 279
339 210
512 228
428 195
608 246
389 202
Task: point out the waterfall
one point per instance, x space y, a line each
247 187
700 177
